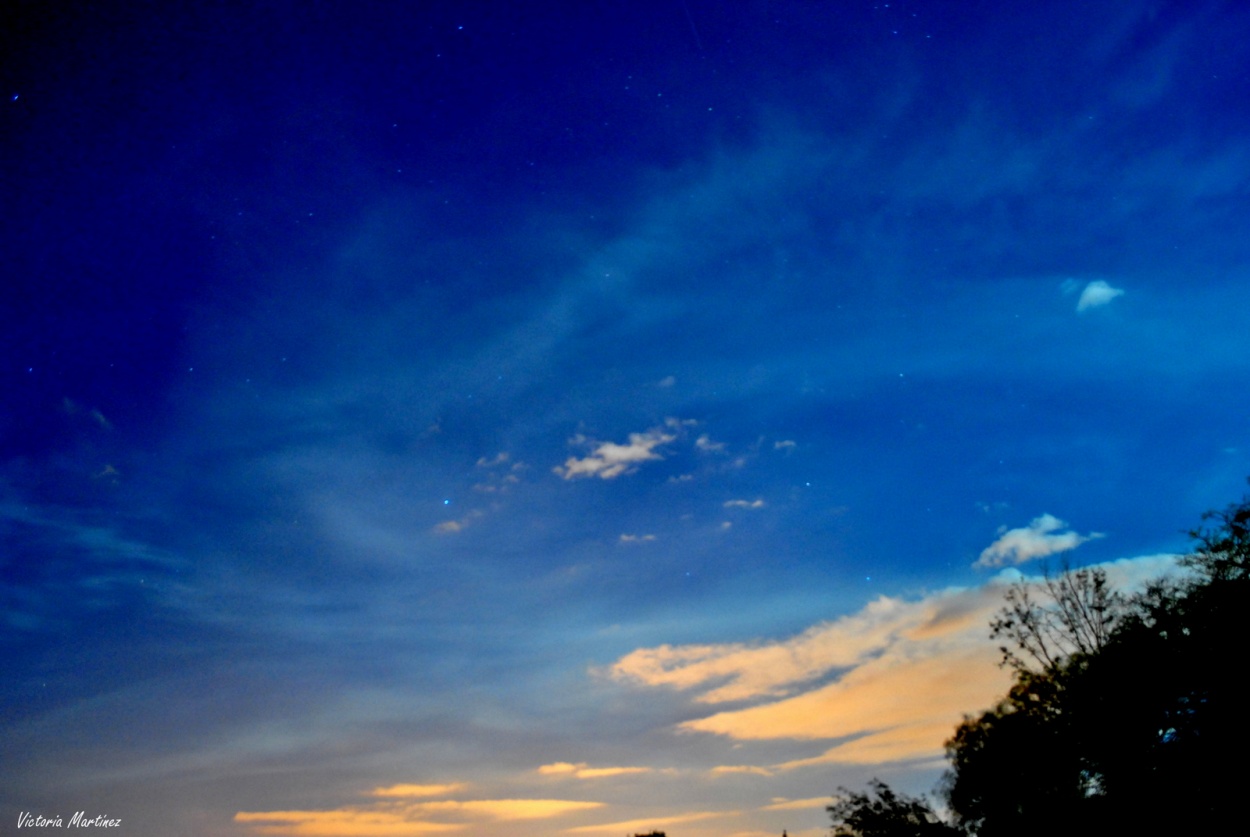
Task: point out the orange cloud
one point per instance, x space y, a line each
345 822
419 790
396 819
797 804
910 670
582 771
774 669
639 826
509 809
896 706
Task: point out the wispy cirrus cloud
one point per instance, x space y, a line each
403 819
509 809
450 527
347 822
640 825
1042 537
745 671
740 769
581 770
905 672
419 790
797 804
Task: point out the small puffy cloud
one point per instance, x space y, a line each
501 473
666 382
785 444
451 527
636 538
1097 294
745 504
500 458
705 444
608 460
419 790
1043 536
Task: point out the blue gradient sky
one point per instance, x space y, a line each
584 418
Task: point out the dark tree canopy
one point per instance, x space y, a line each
884 813
1125 712
1126 716
1075 616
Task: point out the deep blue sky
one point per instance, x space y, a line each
633 407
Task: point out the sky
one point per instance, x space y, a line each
584 418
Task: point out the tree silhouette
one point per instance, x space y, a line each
1125 713
1076 615
885 813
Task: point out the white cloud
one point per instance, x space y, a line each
1097 294
636 538
609 460
451 527
500 458
745 504
785 444
705 444
1040 538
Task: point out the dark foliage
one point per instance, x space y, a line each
884 813
1126 716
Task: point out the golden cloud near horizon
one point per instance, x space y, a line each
640 825
391 819
343 822
907 671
